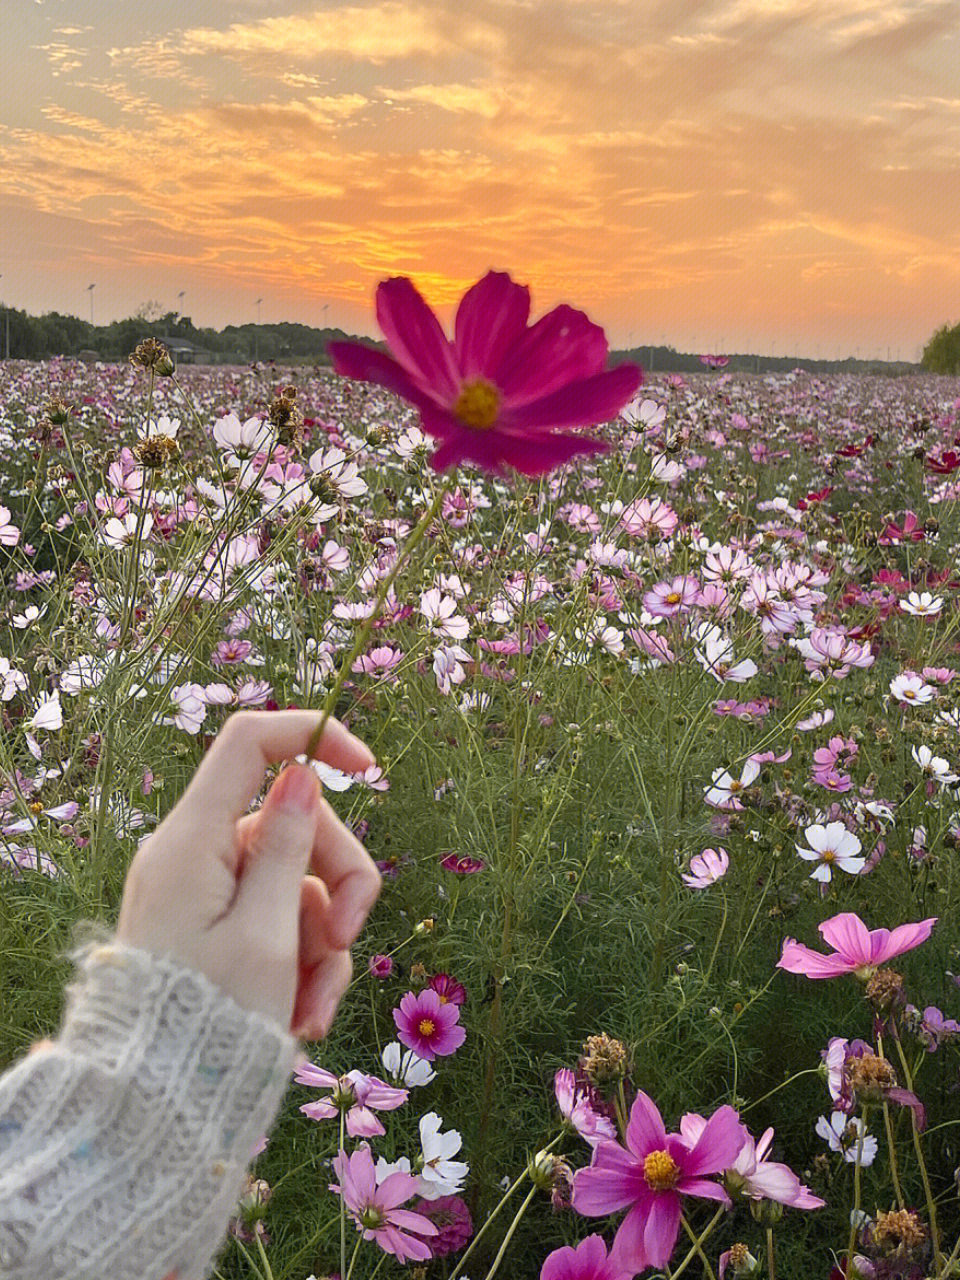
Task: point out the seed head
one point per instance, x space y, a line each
605 1061
152 354
870 1077
157 451
902 1227
885 990
286 418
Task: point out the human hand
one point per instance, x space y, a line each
225 892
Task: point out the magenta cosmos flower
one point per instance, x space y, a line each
375 1208
428 1025
857 949
502 391
650 1176
588 1261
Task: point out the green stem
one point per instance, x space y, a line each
343 1207
267 1269
495 1265
892 1148
503 1200
402 557
927 1189
353 1259
698 1248
699 1243
771 1258
855 1215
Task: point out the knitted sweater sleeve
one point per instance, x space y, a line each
124 1142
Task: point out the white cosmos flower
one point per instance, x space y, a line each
120 533
241 440
714 652
404 1067
934 767
723 792
831 845
841 1133
440 1175
163 426
911 688
922 604
410 441
11 680
48 714
666 469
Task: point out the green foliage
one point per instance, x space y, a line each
942 352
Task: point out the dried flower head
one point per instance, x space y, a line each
157 451
605 1061
286 418
885 990
870 1077
900 1228
152 354
58 411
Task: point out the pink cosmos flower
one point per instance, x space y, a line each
857 949
499 394
448 989
588 1261
428 1026
707 868
380 966
667 599
574 1104
451 1216
649 1176
375 1208
464 865
355 1093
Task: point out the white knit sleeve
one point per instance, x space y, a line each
123 1144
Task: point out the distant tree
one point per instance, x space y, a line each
942 352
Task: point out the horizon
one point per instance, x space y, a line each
712 175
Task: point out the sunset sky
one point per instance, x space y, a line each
769 175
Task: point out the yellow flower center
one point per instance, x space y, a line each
426 1027
735 785
828 855
442 999
661 1171
36 807
478 404
673 597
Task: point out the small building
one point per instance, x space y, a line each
184 352
88 357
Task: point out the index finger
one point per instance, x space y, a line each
231 773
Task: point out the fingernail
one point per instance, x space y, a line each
296 788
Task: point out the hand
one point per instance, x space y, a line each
225 892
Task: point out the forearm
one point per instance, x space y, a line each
124 1143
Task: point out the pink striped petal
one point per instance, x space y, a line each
848 934
563 346
415 338
491 319
577 404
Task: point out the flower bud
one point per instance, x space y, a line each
766 1211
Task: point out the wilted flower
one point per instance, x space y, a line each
707 868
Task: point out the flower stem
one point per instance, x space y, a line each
892 1148
494 1266
855 1214
927 1190
403 557
698 1248
343 1207
353 1259
771 1257
698 1243
503 1200
267 1269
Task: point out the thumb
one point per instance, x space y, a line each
278 854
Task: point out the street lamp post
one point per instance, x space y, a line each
256 336
6 318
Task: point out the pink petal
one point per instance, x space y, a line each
796 958
703 1188
363 1174
416 339
612 1181
718 1145
362 1123
563 346
645 1130
578 404
491 319
395 1189
848 934
905 937
662 1228
775 1181
411 1221
365 364
629 1250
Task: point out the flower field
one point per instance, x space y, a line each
666 803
